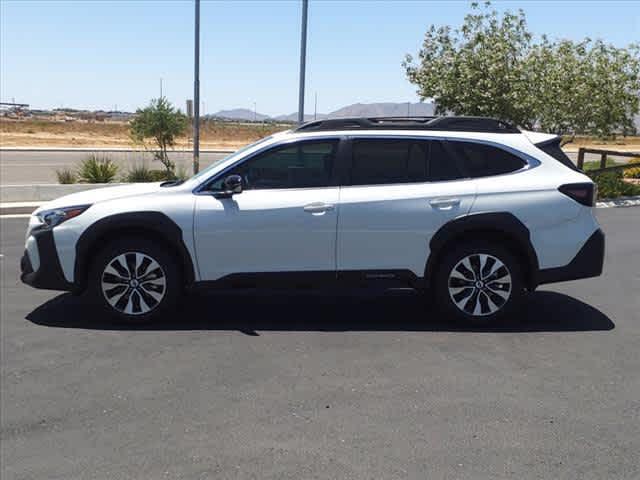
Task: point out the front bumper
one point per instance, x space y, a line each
48 272
587 263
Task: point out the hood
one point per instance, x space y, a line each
101 194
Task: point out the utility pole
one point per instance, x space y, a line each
303 60
315 108
254 112
196 92
160 87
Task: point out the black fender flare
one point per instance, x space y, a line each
504 224
155 222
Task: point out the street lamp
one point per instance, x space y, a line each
196 92
303 60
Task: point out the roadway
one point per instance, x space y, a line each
37 167
325 385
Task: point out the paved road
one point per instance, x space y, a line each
20 168
325 386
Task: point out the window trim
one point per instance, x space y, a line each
203 188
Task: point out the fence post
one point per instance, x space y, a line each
603 160
580 158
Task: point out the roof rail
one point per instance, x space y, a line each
460 124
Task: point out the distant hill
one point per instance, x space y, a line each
386 109
241 114
293 117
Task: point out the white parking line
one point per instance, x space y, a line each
16 215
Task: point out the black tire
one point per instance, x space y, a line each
462 296
154 288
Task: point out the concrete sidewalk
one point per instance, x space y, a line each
27 206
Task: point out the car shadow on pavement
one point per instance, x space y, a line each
327 312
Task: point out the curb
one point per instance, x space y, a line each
23 208
619 202
44 192
103 149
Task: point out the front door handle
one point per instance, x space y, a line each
444 203
318 208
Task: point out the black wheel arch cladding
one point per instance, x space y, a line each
503 224
153 222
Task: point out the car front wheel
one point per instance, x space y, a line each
135 280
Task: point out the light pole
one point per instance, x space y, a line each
196 92
303 60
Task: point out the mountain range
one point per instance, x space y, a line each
383 109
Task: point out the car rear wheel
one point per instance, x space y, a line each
135 280
479 283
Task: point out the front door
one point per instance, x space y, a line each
284 220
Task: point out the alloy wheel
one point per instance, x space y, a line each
133 283
480 284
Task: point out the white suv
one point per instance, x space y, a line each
472 210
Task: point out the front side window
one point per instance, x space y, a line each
480 160
301 165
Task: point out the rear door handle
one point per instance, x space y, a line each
318 208
444 203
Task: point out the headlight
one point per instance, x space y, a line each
54 217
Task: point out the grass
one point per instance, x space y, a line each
66 176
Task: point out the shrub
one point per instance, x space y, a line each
66 176
611 185
181 173
633 172
140 174
97 169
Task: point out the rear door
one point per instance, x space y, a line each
398 193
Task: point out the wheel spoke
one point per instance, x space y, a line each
143 267
108 277
119 268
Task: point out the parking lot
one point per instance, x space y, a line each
326 384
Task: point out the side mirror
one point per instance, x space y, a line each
231 185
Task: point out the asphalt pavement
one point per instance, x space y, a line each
347 385
37 167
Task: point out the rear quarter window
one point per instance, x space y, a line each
552 148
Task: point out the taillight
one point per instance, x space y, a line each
583 193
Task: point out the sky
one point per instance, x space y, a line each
103 54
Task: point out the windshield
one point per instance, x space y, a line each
205 172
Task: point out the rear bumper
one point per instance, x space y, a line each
48 272
587 263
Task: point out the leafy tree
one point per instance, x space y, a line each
161 122
491 66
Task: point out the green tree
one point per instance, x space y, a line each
161 122
491 66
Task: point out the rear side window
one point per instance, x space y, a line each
386 161
480 160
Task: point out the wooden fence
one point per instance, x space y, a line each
603 159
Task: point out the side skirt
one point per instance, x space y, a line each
313 280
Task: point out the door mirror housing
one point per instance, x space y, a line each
231 185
